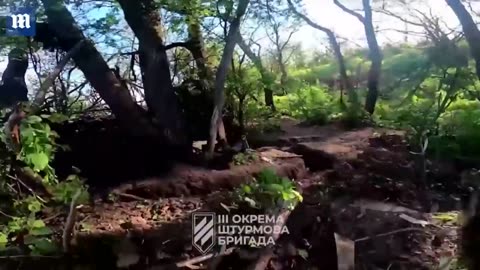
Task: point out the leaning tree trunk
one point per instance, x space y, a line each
143 18
375 56
283 69
470 29
345 80
197 48
96 70
221 75
266 76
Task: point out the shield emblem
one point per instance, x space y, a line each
203 231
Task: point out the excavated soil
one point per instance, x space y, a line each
361 208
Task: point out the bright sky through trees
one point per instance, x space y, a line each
346 26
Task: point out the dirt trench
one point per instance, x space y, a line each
360 210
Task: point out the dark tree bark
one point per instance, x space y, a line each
266 76
344 79
197 48
96 70
375 54
205 72
221 74
470 29
143 18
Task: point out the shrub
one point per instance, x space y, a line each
268 190
312 104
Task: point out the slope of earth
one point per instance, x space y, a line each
361 209
367 177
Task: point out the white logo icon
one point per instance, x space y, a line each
20 21
203 226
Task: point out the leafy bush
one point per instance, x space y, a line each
312 104
261 118
268 190
245 158
460 130
36 151
38 146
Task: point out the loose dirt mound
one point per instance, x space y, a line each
188 180
365 170
360 198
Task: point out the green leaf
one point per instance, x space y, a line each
38 160
43 246
3 240
298 195
247 189
41 231
34 206
57 118
38 223
286 196
32 119
275 187
27 135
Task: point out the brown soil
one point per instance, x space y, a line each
361 208
188 180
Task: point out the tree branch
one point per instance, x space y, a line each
349 11
186 45
70 223
307 19
49 81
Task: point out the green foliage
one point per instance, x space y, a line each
64 191
260 119
33 231
459 133
268 190
37 148
245 158
312 104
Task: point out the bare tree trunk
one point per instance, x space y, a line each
221 75
143 18
283 70
197 49
375 54
241 120
266 76
96 70
268 96
344 79
472 34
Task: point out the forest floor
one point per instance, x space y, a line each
361 181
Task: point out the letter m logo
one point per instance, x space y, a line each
21 22
203 231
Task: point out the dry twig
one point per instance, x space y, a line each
70 223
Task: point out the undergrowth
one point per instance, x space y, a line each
36 190
269 191
245 158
